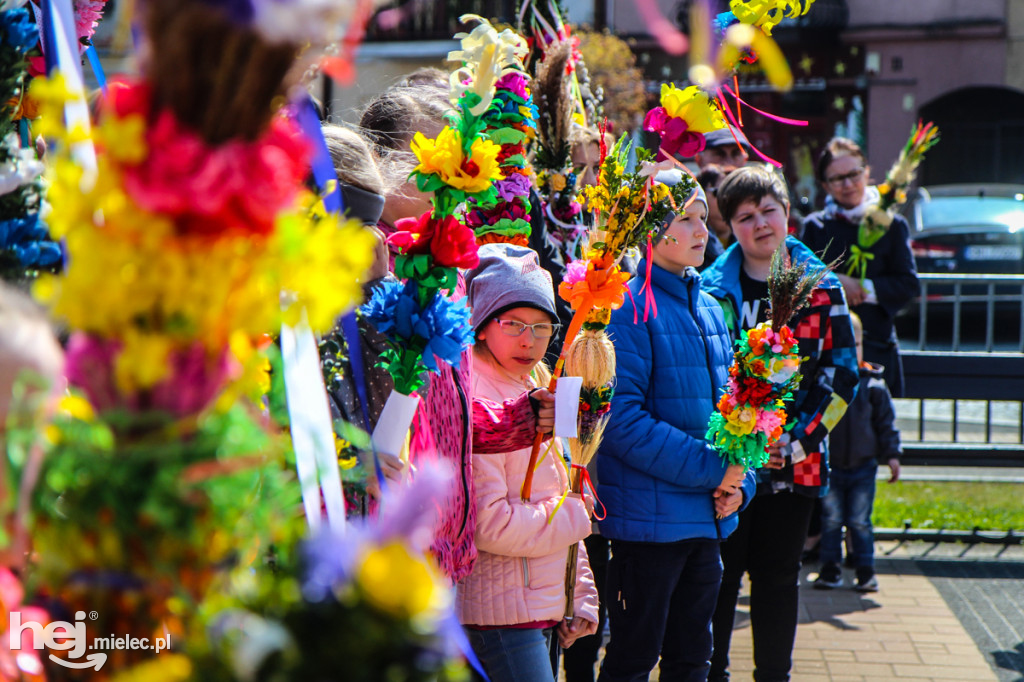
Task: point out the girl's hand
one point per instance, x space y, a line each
545 409
569 632
391 466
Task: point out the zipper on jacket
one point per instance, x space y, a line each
707 351
526 572
467 420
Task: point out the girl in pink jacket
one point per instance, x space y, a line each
513 601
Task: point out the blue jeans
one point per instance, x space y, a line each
510 655
850 498
660 600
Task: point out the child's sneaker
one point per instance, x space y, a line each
866 580
831 577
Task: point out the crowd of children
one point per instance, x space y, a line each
683 526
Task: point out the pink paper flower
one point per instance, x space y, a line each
676 138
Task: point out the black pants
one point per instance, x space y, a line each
582 655
767 544
660 600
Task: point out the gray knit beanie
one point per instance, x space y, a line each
671 178
507 277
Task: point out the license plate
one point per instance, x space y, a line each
994 253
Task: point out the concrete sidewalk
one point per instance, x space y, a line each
907 631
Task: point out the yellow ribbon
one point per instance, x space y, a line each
859 261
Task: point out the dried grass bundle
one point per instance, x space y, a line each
219 78
790 286
552 92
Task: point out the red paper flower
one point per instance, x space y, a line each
452 244
234 187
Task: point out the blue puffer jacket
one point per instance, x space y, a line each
656 473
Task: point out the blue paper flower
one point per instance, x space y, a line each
18 30
441 329
722 22
28 240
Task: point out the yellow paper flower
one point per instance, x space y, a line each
124 139
741 421
766 14
51 95
401 584
443 157
558 182
693 106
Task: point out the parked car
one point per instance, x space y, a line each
971 228
968 229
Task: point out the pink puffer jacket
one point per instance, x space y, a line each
519 575
450 424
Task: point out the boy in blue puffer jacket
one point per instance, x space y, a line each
656 474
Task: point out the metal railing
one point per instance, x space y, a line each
964 371
991 294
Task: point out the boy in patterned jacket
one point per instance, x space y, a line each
771 533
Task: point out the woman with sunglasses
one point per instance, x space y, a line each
889 280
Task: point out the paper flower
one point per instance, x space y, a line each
683 118
27 239
20 168
450 243
487 56
587 286
418 333
17 29
749 416
236 187
766 14
443 157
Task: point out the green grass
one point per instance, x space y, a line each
948 505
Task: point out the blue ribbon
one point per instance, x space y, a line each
49 37
323 175
97 67
23 129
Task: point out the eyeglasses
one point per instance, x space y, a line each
852 176
540 330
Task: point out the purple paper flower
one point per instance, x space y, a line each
515 185
514 82
408 513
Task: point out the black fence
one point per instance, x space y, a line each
963 362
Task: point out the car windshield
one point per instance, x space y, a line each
949 211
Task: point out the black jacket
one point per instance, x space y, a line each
867 431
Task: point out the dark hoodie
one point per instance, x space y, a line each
867 431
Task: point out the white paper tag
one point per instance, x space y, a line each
393 425
567 406
311 428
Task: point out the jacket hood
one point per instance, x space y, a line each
722 278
